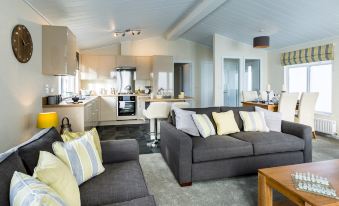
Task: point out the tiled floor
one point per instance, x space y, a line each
140 132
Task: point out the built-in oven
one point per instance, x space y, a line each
126 108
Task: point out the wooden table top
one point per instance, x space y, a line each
258 103
172 99
282 177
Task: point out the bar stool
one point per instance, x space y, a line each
156 111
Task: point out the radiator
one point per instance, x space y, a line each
325 126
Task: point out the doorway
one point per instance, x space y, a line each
231 82
239 74
182 79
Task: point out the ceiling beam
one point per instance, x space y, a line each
199 12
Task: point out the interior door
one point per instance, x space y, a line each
231 82
252 75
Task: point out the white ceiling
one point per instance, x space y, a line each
288 22
93 21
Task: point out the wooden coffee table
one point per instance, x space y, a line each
279 179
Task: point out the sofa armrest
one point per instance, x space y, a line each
301 131
176 149
119 150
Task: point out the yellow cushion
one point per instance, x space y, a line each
68 136
80 156
53 172
225 122
26 190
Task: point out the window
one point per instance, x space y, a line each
66 86
314 77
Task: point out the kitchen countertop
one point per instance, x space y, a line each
68 102
172 99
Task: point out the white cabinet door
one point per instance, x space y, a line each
141 106
144 67
108 108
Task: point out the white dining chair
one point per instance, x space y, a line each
156 111
248 96
287 105
307 104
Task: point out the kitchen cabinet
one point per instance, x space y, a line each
82 117
141 106
144 67
95 67
58 51
108 108
91 114
163 70
126 61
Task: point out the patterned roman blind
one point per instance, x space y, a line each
308 55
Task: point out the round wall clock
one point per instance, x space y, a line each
22 44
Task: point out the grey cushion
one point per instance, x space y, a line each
208 111
271 142
237 115
30 153
219 147
7 167
273 119
184 121
120 182
144 201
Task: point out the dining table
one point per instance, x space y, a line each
269 106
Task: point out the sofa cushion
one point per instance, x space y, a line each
271 142
143 201
208 111
120 182
237 115
218 147
7 168
29 153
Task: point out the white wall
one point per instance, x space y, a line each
183 51
226 47
21 85
113 49
276 73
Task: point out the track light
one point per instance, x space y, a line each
127 31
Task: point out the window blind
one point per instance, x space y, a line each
308 55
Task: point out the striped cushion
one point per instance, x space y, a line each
254 121
68 136
80 156
26 190
203 124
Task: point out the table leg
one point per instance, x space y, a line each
265 194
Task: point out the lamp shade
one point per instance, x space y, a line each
261 42
47 120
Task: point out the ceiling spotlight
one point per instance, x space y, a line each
127 32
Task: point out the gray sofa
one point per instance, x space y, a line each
122 183
197 159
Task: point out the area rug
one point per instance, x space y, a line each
237 191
